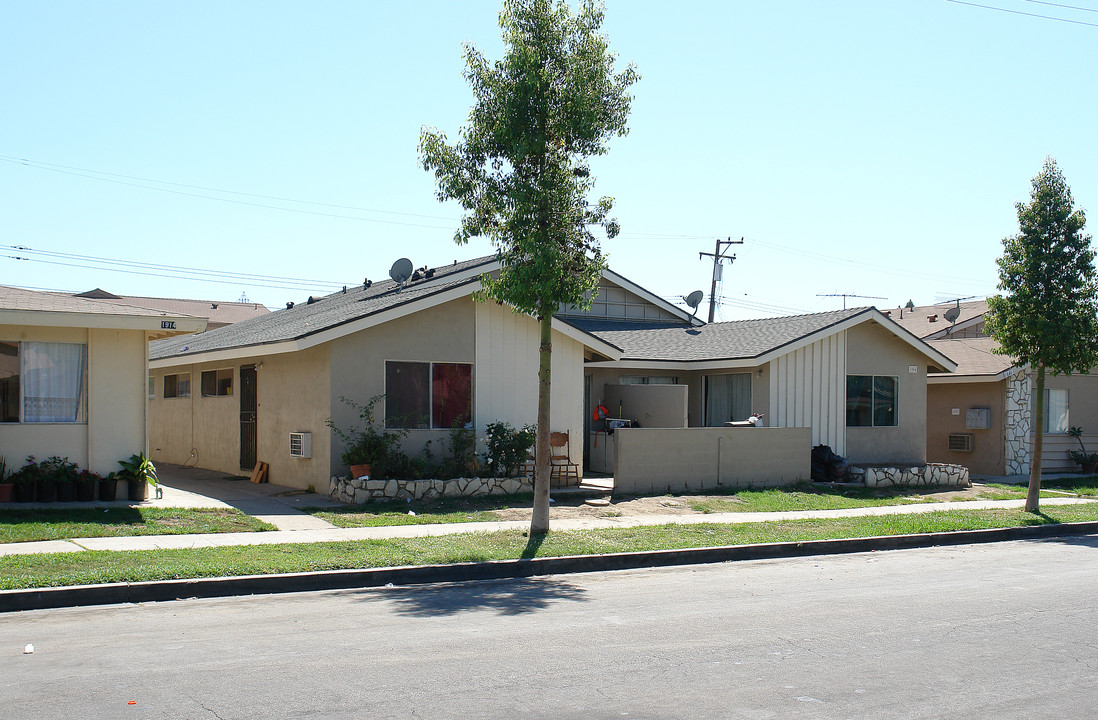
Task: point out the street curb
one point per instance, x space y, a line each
161 590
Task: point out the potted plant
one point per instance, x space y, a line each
1088 462
86 483
45 485
7 485
139 472
26 481
64 473
367 450
108 487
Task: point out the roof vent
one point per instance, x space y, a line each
312 300
888 313
289 305
932 318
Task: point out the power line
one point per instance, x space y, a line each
176 268
225 281
226 200
1019 12
1069 7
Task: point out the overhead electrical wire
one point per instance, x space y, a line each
111 177
1060 5
1019 12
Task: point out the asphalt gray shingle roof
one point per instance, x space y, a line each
974 356
31 300
306 319
678 342
917 320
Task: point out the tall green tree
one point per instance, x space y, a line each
520 171
1048 320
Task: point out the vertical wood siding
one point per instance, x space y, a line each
808 389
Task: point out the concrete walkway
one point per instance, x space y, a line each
194 488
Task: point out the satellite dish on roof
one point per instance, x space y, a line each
400 272
952 314
694 300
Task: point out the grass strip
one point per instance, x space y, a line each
30 571
31 524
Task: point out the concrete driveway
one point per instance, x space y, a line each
277 504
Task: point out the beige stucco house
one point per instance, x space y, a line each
73 376
854 378
979 416
261 389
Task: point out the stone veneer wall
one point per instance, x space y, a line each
922 475
364 490
1019 390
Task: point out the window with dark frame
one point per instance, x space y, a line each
177 385
217 383
426 395
871 401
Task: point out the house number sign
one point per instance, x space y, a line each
167 324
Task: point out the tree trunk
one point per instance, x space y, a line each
539 518
1033 497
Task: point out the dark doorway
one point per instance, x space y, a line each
247 417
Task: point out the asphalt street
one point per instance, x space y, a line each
1005 630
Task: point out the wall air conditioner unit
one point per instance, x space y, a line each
301 444
960 442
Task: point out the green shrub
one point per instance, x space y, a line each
507 448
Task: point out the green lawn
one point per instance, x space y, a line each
27 571
802 497
29 524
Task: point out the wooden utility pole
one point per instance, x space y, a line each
718 254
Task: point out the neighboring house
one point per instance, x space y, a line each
853 377
227 398
73 376
217 313
979 416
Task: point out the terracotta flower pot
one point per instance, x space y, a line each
6 491
358 471
66 491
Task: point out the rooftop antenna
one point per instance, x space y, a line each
694 300
243 297
844 296
400 272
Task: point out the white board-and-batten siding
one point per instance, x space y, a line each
507 374
808 389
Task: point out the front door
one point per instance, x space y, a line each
247 417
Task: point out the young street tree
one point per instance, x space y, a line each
1048 320
520 170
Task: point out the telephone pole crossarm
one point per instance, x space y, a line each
718 255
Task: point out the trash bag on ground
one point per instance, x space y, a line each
828 466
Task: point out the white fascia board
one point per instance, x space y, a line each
237 353
640 365
650 297
893 327
388 315
943 379
106 321
600 346
323 336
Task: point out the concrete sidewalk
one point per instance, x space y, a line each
333 534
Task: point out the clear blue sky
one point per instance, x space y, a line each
865 147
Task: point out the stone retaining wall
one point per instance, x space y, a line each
920 475
363 490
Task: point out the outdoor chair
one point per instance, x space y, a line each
560 459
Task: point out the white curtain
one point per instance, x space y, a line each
55 388
727 397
